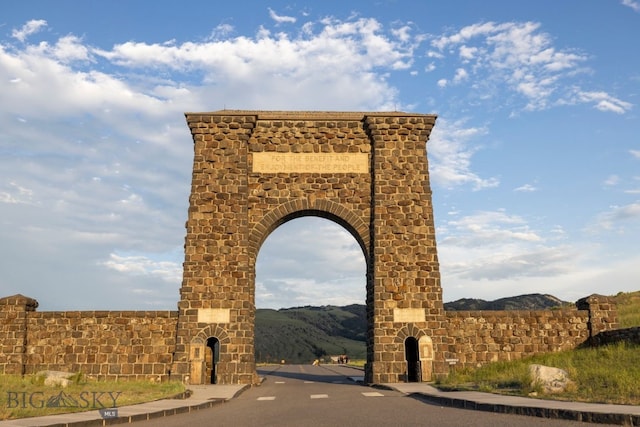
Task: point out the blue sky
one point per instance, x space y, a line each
534 160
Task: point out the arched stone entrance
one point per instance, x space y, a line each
213 358
255 170
412 357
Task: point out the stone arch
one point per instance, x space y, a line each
200 364
409 330
255 170
309 207
425 347
213 330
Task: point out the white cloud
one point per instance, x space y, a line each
618 217
612 180
222 31
450 155
635 153
70 48
489 228
524 57
493 254
281 18
632 4
141 265
28 29
461 75
605 102
527 188
16 194
403 33
468 53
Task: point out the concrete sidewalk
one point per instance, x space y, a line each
599 413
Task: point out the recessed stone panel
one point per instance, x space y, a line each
271 162
409 315
214 315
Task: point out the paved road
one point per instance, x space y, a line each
313 396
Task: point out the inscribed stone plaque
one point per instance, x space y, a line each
407 315
270 162
214 315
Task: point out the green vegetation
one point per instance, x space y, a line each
607 374
628 309
27 396
303 334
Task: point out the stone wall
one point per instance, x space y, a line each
478 337
140 344
100 344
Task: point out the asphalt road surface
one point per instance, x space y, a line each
313 396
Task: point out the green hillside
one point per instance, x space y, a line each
303 334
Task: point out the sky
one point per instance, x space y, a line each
534 160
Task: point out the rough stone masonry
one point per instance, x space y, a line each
252 172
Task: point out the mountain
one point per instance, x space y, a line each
521 302
303 334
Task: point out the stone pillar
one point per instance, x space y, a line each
406 292
13 332
603 314
217 288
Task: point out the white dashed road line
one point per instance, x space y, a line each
319 396
372 394
267 398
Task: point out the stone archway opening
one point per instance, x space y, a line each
213 357
412 357
310 259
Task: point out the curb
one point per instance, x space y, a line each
562 414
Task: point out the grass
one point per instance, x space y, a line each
607 374
628 309
27 396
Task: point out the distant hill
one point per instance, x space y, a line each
302 334
521 302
